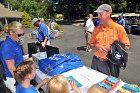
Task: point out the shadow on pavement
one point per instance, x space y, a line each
83 48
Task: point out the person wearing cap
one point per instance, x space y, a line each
89 29
43 32
11 53
55 32
103 36
42 20
121 21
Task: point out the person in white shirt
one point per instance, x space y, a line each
89 29
55 32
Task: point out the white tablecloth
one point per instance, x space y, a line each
38 56
84 75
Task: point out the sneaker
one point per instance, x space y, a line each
88 50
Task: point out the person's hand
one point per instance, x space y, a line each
45 81
86 32
101 48
88 45
107 47
43 44
35 42
75 87
42 83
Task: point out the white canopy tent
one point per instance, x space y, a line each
127 14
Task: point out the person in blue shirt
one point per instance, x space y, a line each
11 52
96 22
43 38
121 21
24 73
43 32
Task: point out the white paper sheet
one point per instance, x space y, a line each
86 76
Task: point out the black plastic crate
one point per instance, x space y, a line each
50 50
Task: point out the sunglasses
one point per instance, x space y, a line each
19 35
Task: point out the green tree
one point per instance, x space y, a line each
15 4
118 5
42 9
1 26
26 20
30 7
123 6
133 6
36 8
71 9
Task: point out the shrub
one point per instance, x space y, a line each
26 20
5 28
58 27
1 26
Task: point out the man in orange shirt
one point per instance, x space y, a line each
103 36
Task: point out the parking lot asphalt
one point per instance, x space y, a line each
73 41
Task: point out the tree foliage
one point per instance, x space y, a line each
36 8
26 20
1 26
15 4
71 9
76 8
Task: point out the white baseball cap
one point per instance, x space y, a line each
35 20
104 7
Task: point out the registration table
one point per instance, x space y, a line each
84 75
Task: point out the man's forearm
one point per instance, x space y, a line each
92 45
12 71
127 47
10 65
95 46
45 40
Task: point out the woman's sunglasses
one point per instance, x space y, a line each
19 35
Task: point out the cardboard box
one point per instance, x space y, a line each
96 89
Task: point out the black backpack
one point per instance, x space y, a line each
2 73
117 55
2 77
